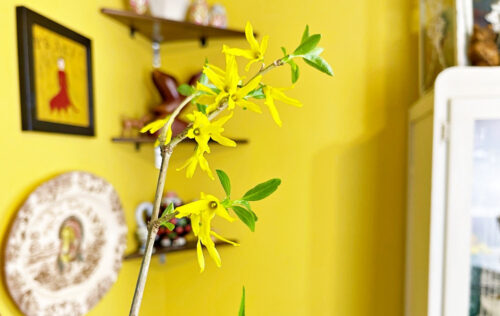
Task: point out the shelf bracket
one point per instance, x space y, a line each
132 32
203 41
156 55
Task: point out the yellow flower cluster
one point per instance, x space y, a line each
224 90
202 212
227 86
202 130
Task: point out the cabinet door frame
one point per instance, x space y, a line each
454 82
463 113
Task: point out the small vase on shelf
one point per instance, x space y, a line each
139 6
169 9
199 12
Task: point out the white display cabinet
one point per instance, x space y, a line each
453 219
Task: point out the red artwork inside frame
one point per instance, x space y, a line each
61 101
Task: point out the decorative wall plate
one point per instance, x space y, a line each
65 246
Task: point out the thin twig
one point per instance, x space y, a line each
264 70
166 152
152 231
176 113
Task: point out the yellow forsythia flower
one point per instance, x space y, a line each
255 53
193 162
227 84
277 94
202 212
155 126
202 130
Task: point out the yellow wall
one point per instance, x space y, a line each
330 241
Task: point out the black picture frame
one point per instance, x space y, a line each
26 18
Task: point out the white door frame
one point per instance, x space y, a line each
464 113
453 83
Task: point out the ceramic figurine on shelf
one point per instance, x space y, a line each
169 9
175 237
132 126
167 87
142 213
483 50
139 6
198 12
218 16
164 237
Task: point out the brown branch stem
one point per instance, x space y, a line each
166 152
152 231
264 70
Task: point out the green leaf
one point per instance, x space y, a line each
305 35
242 304
246 204
245 216
185 89
262 190
170 208
203 79
319 63
226 203
224 180
308 45
286 58
169 225
256 94
202 108
315 52
295 71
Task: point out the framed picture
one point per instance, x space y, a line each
445 28
55 75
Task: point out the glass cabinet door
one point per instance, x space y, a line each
472 269
485 220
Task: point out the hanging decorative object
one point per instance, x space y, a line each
218 16
198 12
65 247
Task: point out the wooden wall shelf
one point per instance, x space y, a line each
138 141
190 245
161 30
